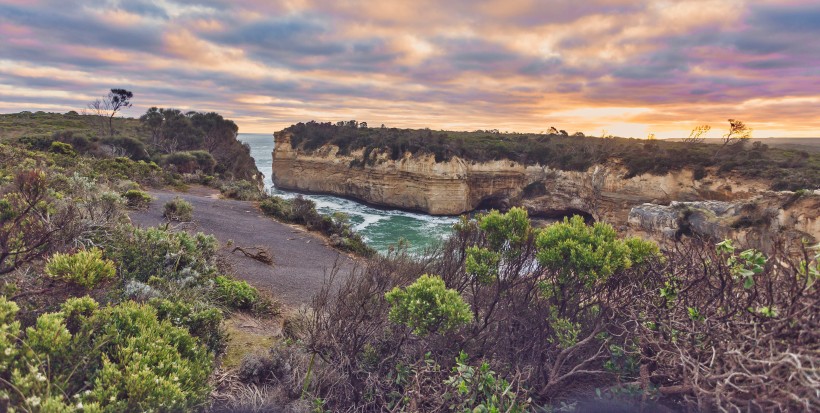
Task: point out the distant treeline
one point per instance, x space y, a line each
786 169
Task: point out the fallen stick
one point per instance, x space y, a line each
260 255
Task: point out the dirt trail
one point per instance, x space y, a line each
301 259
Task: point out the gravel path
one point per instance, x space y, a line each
301 259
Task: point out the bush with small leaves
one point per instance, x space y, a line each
202 320
178 209
62 148
153 252
86 268
235 293
111 359
482 390
136 199
428 306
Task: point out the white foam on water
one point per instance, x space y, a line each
371 223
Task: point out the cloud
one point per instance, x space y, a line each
497 64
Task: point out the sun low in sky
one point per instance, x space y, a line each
625 66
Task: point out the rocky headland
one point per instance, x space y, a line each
661 206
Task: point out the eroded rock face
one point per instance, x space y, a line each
414 183
457 186
759 222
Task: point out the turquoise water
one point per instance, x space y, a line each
380 228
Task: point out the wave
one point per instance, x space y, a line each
380 228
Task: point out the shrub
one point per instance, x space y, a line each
303 212
62 148
203 321
86 268
136 199
235 293
482 390
178 209
119 358
427 306
190 162
242 190
152 252
588 254
276 207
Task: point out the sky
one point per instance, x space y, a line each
626 67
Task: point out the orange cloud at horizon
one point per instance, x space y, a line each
624 67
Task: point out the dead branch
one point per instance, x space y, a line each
258 253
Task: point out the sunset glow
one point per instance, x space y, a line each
626 67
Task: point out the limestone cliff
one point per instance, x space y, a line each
760 222
457 186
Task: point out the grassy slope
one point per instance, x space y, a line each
17 125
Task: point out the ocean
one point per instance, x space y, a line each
380 228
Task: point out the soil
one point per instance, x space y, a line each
301 259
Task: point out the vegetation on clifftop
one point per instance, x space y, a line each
786 169
190 146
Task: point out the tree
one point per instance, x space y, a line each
171 130
738 134
117 99
696 136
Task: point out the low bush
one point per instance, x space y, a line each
202 320
565 313
235 293
303 211
86 268
178 209
190 162
136 199
152 252
117 358
242 190
427 306
62 149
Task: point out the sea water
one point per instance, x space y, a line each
380 228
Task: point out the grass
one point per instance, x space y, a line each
16 125
244 340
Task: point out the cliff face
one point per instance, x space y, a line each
761 221
415 183
458 186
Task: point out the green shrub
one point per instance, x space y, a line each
190 162
302 211
427 306
482 390
241 189
136 199
276 207
201 320
112 359
62 148
588 254
153 252
178 209
86 268
235 293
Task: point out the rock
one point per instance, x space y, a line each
457 186
759 222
